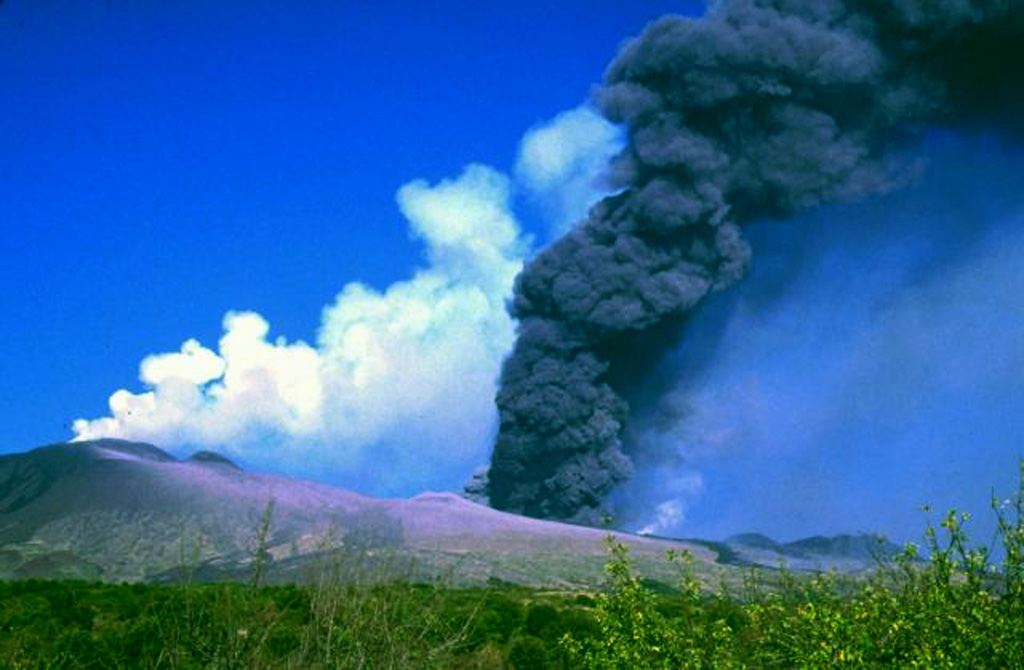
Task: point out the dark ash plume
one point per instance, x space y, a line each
759 110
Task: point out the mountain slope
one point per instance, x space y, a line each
117 510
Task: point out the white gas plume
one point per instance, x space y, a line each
399 381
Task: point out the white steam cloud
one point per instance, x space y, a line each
397 393
563 164
670 514
399 385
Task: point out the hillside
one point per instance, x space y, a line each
115 510
124 511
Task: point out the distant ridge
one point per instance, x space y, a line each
753 540
848 553
212 458
138 449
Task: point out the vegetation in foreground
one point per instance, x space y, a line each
962 607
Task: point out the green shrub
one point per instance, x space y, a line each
957 609
543 621
527 652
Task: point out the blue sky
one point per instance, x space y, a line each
364 179
165 163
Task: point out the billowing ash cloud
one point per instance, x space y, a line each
396 392
760 110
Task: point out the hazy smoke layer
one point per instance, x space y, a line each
866 366
759 110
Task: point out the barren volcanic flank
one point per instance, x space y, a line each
118 510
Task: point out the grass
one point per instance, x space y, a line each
948 604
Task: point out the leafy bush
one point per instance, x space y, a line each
957 609
527 652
